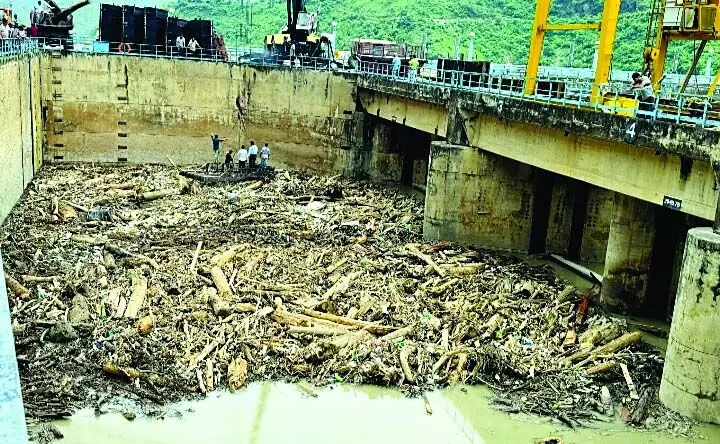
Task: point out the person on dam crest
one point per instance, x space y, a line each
646 94
395 67
216 141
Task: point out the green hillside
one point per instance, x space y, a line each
502 27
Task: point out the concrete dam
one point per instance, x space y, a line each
392 196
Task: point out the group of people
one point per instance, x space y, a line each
193 48
12 33
246 157
413 67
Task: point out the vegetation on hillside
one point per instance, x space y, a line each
502 28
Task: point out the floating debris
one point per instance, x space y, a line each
184 291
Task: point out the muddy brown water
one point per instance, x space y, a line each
282 413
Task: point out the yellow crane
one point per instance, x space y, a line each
607 28
673 20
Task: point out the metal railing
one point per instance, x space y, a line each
567 91
228 54
12 48
614 97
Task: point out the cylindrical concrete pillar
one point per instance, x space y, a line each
628 254
691 377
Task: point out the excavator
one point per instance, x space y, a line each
297 39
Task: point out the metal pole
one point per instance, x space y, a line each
690 72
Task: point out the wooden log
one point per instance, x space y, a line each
137 298
331 268
221 283
201 380
237 374
465 269
491 325
456 374
250 266
145 325
567 293
353 312
369 326
629 381
154 195
121 306
405 353
341 286
209 375
226 256
441 288
193 263
16 287
31 278
131 373
641 410
288 318
412 248
316 331
600 334
600 368
195 360
584 352
443 359
220 306
254 186
617 344
397 334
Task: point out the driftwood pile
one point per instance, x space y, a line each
132 282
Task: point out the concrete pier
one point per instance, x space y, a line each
629 254
474 197
12 415
691 377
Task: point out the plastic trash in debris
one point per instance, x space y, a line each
232 196
100 213
527 343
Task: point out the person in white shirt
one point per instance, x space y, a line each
252 154
264 156
193 46
4 30
180 44
242 157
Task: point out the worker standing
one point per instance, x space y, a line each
193 46
646 93
414 64
180 45
216 140
264 156
395 66
252 154
229 160
242 157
